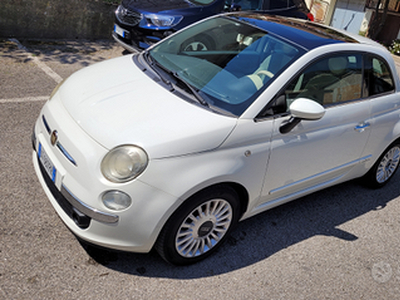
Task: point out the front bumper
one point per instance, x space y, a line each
136 39
78 211
127 45
75 191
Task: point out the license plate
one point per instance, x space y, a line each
46 163
118 30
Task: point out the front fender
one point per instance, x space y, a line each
184 176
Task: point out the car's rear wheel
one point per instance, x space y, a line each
199 227
386 166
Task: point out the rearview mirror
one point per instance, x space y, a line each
302 109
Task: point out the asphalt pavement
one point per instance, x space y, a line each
340 243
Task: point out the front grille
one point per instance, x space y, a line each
59 146
128 16
78 217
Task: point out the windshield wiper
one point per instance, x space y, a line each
154 66
194 91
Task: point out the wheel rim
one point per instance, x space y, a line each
196 46
388 165
204 228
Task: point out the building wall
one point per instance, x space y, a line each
391 30
93 19
349 15
322 10
61 19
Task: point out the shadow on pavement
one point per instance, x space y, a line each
266 234
62 51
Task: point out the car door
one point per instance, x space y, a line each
385 104
319 153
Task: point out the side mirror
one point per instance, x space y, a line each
302 109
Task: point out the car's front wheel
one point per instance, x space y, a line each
384 169
199 226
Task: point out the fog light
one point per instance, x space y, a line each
116 200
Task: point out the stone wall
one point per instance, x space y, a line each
57 19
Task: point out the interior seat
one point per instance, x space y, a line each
281 55
326 87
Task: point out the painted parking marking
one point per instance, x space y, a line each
45 68
26 99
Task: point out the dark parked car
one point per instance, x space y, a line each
139 24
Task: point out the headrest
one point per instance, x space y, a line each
337 65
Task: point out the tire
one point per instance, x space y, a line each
385 167
198 43
199 227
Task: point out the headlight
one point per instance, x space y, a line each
116 200
163 20
124 163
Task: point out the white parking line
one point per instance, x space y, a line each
27 99
45 68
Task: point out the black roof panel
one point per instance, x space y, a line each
307 34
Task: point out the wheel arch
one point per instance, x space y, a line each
231 192
395 141
242 194
375 180
238 188
243 197
377 148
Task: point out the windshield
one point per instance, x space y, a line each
245 4
228 62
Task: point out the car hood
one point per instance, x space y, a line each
156 5
116 103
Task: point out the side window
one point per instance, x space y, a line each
328 81
378 77
248 4
277 4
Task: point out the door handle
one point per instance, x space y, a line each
362 126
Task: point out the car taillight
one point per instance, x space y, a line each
310 16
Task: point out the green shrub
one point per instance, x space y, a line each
394 48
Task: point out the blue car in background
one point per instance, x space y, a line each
139 24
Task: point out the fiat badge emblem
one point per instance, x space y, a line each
54 137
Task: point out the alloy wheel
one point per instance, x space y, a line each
203 228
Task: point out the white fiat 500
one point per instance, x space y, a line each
171 147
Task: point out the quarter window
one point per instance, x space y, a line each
378 77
